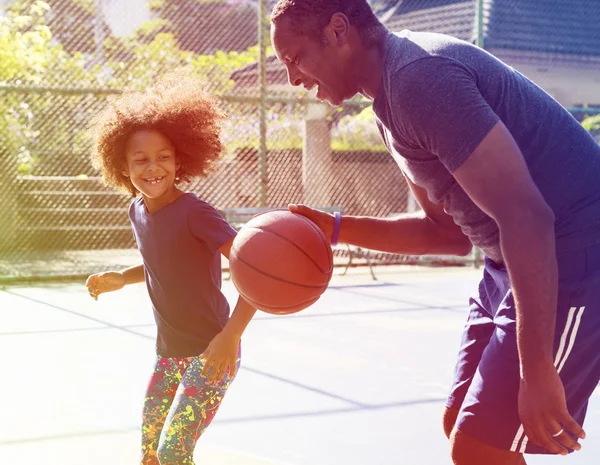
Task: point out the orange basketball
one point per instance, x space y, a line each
281 262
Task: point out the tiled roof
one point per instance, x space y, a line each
569 27
453 17
247 76
532 31
550 26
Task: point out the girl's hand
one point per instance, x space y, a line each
221 356
104 282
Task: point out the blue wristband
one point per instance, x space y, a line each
337 222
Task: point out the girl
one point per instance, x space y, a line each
147 143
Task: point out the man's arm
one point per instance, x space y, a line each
497 179
429 231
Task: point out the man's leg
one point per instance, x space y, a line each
468 451
489 413
449 420
475 337
479 330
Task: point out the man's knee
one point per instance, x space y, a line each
449 420
466 450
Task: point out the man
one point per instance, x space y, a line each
494 162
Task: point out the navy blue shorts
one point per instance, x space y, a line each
486 381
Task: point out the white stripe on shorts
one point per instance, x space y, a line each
519 444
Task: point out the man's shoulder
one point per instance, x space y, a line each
423 44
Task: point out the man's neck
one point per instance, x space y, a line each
370 70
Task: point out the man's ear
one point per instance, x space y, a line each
125 171
339 26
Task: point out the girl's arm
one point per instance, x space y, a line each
110 281
221 354
243 311
134 274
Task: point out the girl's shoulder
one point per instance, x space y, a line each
197 204
137 204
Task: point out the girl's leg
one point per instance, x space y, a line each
162 387
194 407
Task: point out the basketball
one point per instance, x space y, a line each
280 262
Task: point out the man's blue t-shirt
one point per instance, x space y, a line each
441 96
179 245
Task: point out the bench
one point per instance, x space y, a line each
238 217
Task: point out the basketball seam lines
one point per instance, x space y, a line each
294 244
321 235
277 306
275 277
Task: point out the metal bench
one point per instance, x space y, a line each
238 217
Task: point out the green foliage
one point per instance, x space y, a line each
33 122
47 126
136 64
218 67
284 129
357 132
24 39
592 124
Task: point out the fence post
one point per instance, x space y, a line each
316 156
262 105
8 218
479 40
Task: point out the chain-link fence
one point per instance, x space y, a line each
61 59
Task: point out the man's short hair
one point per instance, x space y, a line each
309 17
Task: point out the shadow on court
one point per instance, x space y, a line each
359 378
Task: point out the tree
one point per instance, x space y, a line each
74 23
592 124
357 132
36 121
204 26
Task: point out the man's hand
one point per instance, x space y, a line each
104 282
322 219
221 356
543 412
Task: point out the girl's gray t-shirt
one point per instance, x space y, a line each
441 96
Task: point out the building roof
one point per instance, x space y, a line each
452 17
247 76
546 26
526 31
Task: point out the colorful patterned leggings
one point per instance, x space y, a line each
179 406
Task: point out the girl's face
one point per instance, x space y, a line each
151 164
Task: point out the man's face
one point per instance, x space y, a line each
312 62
